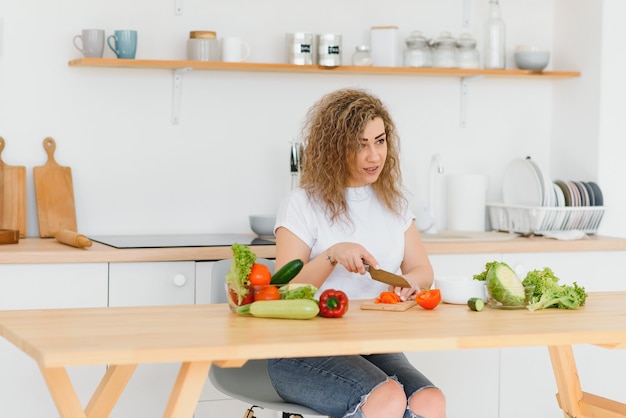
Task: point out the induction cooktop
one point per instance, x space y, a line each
180 240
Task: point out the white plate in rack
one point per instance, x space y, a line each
546 184
521 184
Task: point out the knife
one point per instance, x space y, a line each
386 277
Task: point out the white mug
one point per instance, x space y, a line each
92 41
234 49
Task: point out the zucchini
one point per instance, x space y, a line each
476 304
283 309
504 286
287 272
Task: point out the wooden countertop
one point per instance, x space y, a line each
48 250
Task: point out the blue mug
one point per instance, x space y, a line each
125 43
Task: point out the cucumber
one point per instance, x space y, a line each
476 304
287 272
282 309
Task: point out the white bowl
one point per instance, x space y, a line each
458 289
263 225
531 58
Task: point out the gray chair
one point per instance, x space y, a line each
251 382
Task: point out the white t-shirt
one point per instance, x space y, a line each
372 225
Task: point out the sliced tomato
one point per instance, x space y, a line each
428 299
388 297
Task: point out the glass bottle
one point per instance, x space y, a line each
417 52
495 38
361 56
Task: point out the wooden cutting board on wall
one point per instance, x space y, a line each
12 196
54 193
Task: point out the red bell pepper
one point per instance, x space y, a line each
333 303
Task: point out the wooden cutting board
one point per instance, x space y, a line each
54 193
12 196
397 307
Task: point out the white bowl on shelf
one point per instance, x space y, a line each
531 57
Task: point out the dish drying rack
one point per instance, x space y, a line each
544 219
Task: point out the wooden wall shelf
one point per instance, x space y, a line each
315 69
179 67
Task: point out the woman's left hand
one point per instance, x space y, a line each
406 293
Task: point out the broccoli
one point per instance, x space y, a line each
237 277
548 293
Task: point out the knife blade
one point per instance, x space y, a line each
386 277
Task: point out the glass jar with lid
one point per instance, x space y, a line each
444 51
468 54
361 56
417 52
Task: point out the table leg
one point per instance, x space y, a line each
102 401
63 393
186 393
572 400
567 380
109 390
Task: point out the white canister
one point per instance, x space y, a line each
385 47
300 48
329 50
466 201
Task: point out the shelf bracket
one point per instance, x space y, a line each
466 13
178 7
464 94
176 91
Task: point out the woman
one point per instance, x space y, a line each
350 210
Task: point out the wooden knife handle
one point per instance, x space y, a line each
69 237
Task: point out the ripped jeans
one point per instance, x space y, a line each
338 386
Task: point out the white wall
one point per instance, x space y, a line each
135 172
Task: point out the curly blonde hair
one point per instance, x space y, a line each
332 134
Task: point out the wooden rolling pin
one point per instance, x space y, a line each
69 237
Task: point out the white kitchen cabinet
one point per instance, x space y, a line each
23 392
528 387
461 264
144 284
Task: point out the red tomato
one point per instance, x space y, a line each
259 275
428 299
266 293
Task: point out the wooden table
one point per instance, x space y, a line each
198 335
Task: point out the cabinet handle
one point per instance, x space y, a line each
180 280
